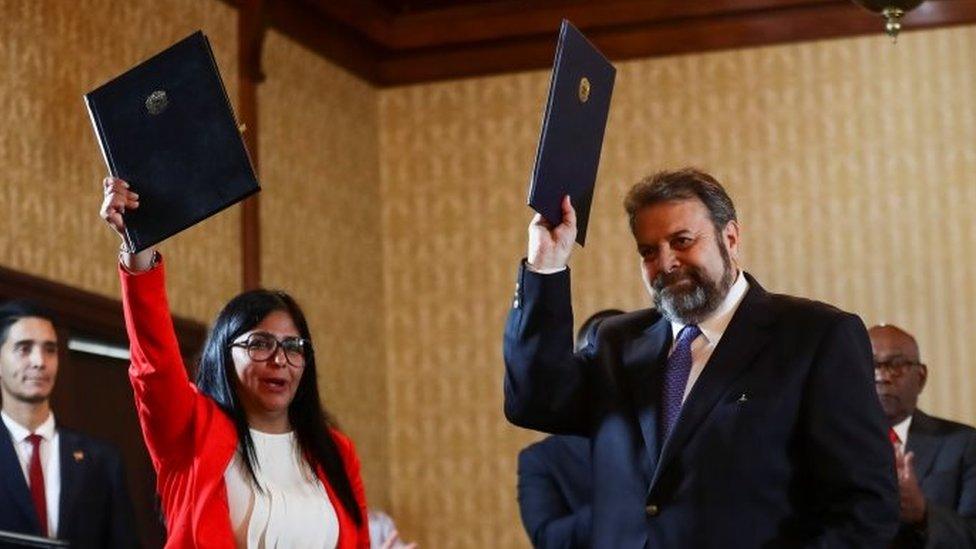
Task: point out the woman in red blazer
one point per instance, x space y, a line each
255 397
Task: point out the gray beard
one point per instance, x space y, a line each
692 304
685 307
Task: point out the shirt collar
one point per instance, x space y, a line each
714 326
19 433
901 429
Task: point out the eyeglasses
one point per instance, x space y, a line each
895 367
262 347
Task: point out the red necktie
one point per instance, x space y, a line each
36 477
893 437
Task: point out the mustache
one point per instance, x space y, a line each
664 280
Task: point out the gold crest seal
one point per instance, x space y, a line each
584 90
157 102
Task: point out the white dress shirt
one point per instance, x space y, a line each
292 511
50 464
712 330
901 429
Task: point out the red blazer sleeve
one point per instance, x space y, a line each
164 396
351 461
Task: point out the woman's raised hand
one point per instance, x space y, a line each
118 199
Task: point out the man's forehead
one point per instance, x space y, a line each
673 216
892 341
32 328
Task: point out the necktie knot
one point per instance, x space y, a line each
893 436
35 440
687 335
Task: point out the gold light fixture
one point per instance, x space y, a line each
892 11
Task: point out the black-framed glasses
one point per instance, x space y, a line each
895 367
262 346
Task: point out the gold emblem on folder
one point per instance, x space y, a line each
584 90
157 102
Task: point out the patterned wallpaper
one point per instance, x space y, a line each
51 53
851 162
320 228
397 216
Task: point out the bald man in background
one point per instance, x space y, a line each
935 458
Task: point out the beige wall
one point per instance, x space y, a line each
52 52
851 162
397 216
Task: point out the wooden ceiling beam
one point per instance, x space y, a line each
340 44
504 20
799 23
366 16
492 37
491 21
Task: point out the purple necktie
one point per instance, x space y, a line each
675 378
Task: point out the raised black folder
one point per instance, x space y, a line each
166 127
572 130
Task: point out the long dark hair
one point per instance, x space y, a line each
217 378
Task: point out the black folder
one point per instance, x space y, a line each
572 130
167 128
17 539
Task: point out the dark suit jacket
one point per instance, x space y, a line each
781 442
945 464
555 492
95 510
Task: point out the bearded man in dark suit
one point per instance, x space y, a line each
727 416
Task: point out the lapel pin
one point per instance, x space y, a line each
78 455
743 398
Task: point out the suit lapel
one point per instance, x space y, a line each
923 442
14 482
643 358
744 337
73 461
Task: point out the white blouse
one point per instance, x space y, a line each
293 510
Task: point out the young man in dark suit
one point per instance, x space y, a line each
54 482
726 416
935 458
555 486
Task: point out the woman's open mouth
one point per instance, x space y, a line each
273 384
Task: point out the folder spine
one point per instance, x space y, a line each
545 115
130 240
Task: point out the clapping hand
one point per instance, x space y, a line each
911 498
393 542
